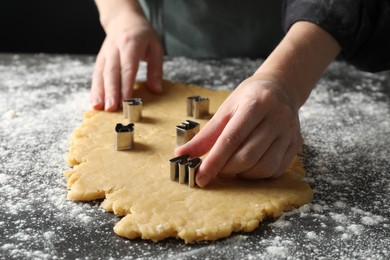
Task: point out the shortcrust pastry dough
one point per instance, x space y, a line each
135 184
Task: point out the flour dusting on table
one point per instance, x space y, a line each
345 124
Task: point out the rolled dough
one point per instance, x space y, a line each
136 184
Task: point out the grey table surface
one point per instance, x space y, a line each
346 152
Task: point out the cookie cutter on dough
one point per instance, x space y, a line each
186 131
124 136
198 107
184 170
132 109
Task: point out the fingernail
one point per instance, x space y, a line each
109 104
96 103
203 180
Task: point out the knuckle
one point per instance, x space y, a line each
109 71
156 73
247 159
128 69
232 140
255 104
111 87
126 39
265 170
225 172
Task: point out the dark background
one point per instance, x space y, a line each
51 26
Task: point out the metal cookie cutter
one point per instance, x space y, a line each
184 169
124 136
197 106
132 109
186 131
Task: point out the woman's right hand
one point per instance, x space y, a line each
129 39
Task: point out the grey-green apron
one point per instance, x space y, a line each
216 28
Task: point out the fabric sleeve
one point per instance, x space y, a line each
362 27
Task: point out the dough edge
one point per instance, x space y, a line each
130 227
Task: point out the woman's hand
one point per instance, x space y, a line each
129 40
256 131
254 134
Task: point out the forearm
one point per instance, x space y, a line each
299 60
110 10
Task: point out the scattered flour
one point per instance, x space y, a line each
9 115
356 229
311 235
317 207
7 246
20 236
277 251
372 220
49 235
339 218
3 178
345 124
280 222
340 228
340 204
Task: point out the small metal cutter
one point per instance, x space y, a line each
183 169
186 131
124 136
132 109
198 107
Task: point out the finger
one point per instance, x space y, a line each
155 68
252 150
270 162
291 152
129 60
111 77
232 137
97 88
